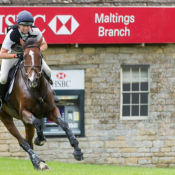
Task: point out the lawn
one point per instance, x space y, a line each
22 167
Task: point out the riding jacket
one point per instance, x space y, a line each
12 39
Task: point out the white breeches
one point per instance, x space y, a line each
7 64
46 68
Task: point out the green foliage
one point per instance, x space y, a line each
24 167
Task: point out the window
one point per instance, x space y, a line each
134 92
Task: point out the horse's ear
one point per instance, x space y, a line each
22 42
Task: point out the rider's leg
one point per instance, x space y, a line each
47 72
47 75
6 65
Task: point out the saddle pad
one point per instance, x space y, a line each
11 77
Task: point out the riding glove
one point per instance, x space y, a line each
20 55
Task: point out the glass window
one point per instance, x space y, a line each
134 92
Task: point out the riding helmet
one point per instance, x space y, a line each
25 18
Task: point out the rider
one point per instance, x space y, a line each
11 50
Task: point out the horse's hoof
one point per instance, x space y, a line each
79 158
38 142
78 155
44 166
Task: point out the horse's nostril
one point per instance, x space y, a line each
29 81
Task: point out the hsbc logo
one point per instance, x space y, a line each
61 75
63 24
61 82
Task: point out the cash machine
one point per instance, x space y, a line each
69 88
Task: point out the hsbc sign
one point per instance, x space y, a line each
68 79
50 24
60 24
93 25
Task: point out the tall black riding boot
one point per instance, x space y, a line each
48 78
2 93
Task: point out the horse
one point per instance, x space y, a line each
32 99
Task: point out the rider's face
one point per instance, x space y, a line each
24 29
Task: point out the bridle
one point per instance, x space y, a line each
33 67
36 94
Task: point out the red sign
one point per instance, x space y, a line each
66 25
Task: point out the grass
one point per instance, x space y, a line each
24 167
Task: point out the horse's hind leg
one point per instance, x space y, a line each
8 122
29 119
56 117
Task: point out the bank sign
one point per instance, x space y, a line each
93 25
68 79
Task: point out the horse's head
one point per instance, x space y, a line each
32 62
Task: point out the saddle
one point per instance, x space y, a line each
10 83
11 76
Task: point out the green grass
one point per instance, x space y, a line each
22 167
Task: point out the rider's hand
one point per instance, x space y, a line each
20 56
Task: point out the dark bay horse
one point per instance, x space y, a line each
33 99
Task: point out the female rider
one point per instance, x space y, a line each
11 50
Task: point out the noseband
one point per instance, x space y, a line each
33 67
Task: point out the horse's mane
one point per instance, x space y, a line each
31 41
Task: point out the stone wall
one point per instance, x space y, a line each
109 140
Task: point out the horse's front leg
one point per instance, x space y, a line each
29 129
29 119
56 117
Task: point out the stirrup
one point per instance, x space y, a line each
56 99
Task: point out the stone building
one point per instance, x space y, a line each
113 135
